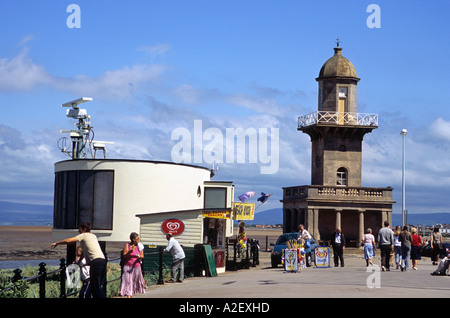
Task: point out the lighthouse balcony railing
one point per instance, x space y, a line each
337 192
338 118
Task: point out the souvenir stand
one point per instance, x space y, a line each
322 257
293 257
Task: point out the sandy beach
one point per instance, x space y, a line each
33 243
27 243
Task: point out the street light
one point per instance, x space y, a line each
403 133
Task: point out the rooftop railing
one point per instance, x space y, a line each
337 118
337 192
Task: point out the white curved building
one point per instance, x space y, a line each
110 193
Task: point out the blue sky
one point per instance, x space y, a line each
154 66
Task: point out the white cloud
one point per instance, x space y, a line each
22 74
155 50
114 84
440 128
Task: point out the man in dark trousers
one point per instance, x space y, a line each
386 245
94 257
338 244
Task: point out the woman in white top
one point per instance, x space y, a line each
369 246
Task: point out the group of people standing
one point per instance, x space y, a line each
92 263
402 244
337 242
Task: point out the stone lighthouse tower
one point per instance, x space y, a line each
336 197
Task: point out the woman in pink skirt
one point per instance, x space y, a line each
132 278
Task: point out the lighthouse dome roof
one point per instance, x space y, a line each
338 67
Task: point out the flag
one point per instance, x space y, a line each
247 195
263 198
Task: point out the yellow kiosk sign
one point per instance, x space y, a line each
217 214
244 211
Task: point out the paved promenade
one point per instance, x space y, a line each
355 280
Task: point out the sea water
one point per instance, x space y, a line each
24 263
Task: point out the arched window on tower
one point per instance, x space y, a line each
342 177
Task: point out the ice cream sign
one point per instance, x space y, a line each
172 226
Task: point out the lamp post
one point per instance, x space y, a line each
403 133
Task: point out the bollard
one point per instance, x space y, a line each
161 278
257 253
17 275
62 287
42 279
235 256
252 252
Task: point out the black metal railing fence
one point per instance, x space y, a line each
236 258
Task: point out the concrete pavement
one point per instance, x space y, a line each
355 280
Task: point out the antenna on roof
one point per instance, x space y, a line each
213 170
81 136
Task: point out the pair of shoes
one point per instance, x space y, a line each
402 268
388 269
179 281
436 273
415 268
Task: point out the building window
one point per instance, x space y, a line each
320 98
83 196
215 198
341 177
342 105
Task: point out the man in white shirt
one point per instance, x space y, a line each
338 244
302 233
178 255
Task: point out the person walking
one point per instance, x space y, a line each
178 257
369 246
416 247
436 245
397 247
338 244
405 239
94 257
132 278
385 243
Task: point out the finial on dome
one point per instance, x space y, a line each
338 41
337 49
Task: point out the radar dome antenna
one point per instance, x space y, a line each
80 136
83 137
